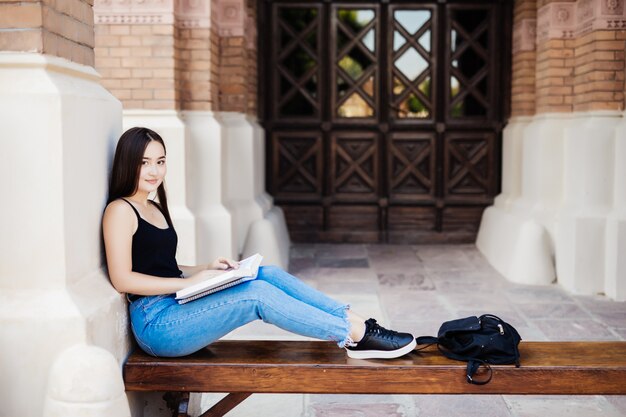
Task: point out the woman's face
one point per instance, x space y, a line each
153 168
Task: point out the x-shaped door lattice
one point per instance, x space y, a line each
469 85
411 161
354 154
466 156
412 86
298 43
355 83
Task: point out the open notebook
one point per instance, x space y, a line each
248 269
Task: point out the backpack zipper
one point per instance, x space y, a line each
501 329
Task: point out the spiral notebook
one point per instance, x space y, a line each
247 271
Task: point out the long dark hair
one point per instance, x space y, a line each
127 166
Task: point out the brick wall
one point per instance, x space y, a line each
251 52
168 56
233 74
555 76
524 58
215 67
138 65
195 68
599 71
60 28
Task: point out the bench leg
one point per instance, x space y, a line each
226 404
178 402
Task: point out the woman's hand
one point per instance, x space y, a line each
222 263
200 276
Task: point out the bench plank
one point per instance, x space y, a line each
585 368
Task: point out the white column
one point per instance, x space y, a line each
258 225
510 237
240 172
268 235
206 191
168 124
58 129
569 219
615 266
587 199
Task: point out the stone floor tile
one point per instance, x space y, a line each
346 281
574 329
344 251
302 250
619 402
538 294
570 406
484 300
406 265
405 281
296 265
383 250
360 406
462 405
275 405
343 263
620 332
553 311
612 318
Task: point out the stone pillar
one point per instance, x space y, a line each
564 157
58 127
615 243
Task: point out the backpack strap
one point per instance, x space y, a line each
426 340
472 366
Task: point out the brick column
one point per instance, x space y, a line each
555 56
599 55
524 58
62 28
236 27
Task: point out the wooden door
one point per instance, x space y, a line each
384 119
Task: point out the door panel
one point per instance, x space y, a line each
384 119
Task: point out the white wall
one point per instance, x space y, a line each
58 128
561 214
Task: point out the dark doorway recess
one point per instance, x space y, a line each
384 119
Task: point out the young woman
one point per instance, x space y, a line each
140 243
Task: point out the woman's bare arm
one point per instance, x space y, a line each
119 224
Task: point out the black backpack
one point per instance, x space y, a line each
480 340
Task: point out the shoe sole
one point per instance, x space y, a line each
381 354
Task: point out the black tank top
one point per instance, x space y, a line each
154 249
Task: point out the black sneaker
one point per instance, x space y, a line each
380 343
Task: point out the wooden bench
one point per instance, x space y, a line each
242 368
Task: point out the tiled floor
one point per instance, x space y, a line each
415 289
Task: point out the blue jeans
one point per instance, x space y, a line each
163 327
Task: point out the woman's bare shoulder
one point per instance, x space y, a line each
118 210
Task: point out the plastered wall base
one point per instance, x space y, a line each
214 223
53 292
560 214
85 381
259 225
